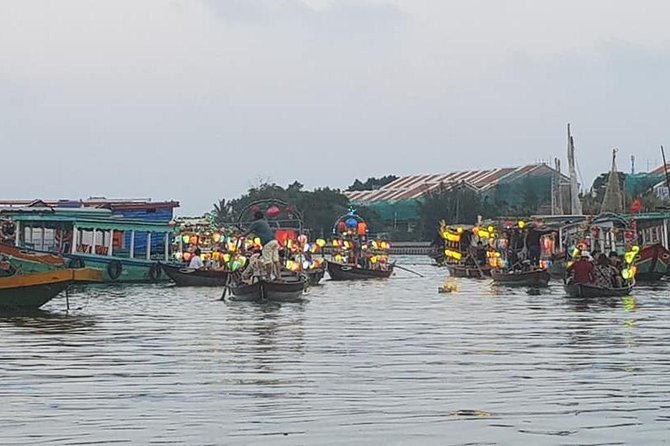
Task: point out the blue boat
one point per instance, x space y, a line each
123 249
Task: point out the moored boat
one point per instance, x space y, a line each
341 271
591 291
123 250
286 289
537 277
183 276
31 291
28 262
653 262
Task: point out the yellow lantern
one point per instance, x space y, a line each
521 224
320 242
216 237
185 238
459 230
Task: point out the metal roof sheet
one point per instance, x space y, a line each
415 186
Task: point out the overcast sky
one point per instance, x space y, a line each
195 100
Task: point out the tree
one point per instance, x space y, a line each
320 207
222 212
454 205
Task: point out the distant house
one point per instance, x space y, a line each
536 185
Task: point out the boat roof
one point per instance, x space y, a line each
84 219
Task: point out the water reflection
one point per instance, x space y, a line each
47 322
385 361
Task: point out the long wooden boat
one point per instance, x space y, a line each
183 276
287 289
340 271
653 263
31 291
469 271
590 291
537 278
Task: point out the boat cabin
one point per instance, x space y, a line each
89 231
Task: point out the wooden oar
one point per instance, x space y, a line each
409 270
226 286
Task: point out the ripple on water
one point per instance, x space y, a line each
389 361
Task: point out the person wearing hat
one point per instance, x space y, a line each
270 251
582 270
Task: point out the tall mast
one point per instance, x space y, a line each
575 204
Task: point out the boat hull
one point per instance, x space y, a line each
30 262
31 291
537 278
182 276
589 291
129 270
339 271
469 271
289 290
653 263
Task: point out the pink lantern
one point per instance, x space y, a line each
272 212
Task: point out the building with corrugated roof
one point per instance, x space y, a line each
534 188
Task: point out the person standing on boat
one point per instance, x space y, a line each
582 269
196 261
532 242
270 251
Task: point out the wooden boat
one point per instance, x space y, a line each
538 277
31 291
123 250
590 291
287 289
183 276
469 271
340 271
653 263
28 262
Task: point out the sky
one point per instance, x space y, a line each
197 100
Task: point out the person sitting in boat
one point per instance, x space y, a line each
616 261
255 268
196 261
602 272
582 269
270 251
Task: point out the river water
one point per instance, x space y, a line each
386 362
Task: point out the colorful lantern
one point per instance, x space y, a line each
351 223
320 242
362 228
185 238
273 212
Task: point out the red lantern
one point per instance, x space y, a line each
636 206
272 212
